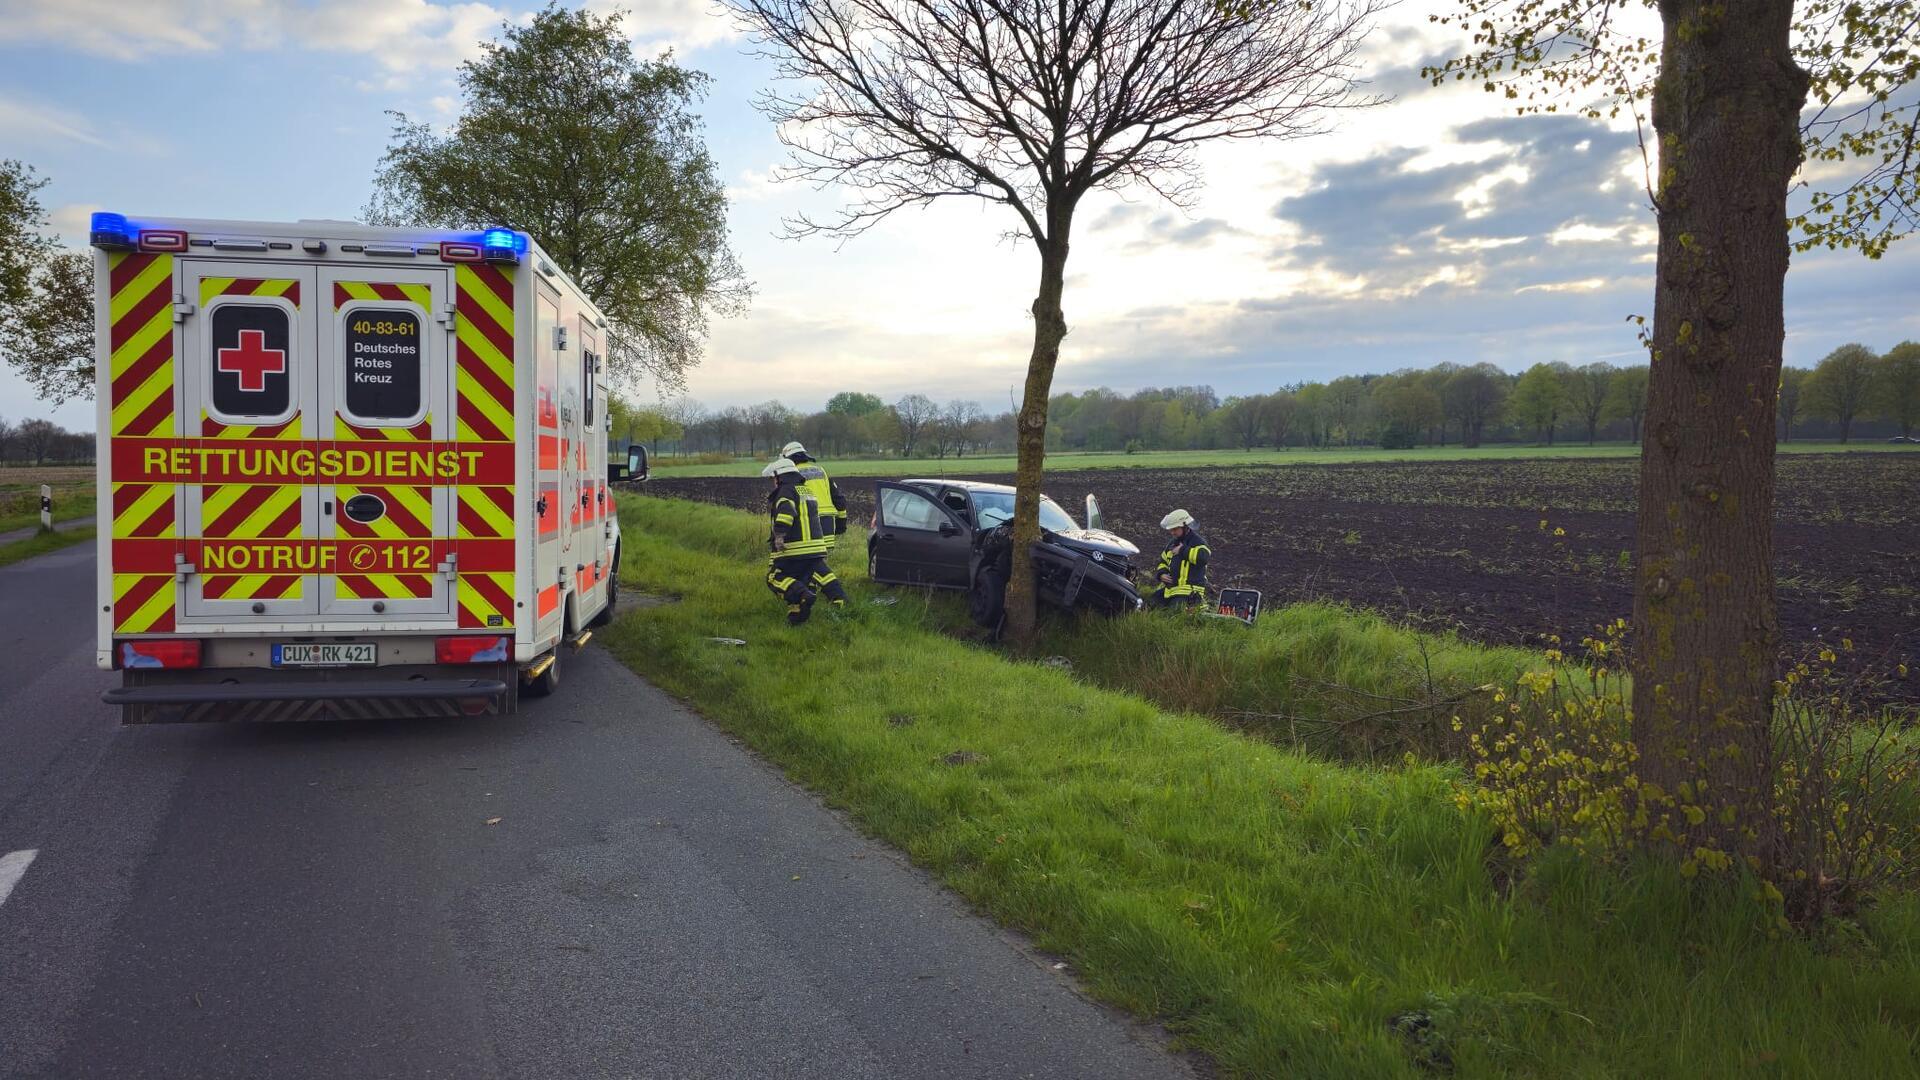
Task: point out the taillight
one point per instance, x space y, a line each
165 653
163 240
470 649
459 252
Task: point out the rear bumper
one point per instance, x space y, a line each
194 695
394 692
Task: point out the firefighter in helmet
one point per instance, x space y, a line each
833 503
797 570
1181 578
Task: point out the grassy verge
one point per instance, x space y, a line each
1187 459
41 543
1277 912
68 504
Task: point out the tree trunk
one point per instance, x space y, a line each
1049 329
1726 107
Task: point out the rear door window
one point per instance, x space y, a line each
382 363
251 360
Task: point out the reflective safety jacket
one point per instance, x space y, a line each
797 520
1185 561
833 505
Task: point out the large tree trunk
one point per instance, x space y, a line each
1726 108
1049 329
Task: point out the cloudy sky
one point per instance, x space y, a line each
1433 228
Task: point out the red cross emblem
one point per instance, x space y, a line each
252 360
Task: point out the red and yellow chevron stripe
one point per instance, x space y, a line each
211 287
483 413
343 291
409 516
140 351
252 512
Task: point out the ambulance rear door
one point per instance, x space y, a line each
249 392
385 395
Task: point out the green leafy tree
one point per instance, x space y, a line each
1538 398
1627 397
1032 107
1896 386
1793 399
854 403
631 423
1838 388
22 217
1726 89
1588 387
1476 397
565 134
48 337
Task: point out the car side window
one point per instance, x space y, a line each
902 509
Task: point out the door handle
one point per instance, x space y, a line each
329 507
886 536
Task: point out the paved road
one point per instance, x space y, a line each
327 900
30 531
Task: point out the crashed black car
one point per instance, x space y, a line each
955 534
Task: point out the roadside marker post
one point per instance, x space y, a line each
46 506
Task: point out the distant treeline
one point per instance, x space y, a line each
43 442
1853 393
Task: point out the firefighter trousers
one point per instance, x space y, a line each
799 579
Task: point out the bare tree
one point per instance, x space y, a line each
915 412
7 431
1032 105
37 438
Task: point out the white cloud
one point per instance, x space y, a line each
73 222
676 24
402 36
1580 232
1583 285
21 121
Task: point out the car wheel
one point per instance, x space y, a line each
873 563
987 599
549 680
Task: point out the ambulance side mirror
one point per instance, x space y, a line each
634 468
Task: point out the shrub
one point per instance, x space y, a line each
1554 764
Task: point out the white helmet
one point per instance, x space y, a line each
1176 519
778 466
791 449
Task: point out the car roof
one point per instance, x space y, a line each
964 485
970 485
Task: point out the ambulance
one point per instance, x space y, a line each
345 471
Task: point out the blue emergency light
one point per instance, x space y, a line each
502 245
110 232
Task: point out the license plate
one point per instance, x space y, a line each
323 655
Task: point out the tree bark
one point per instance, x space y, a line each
1726 107
1049 330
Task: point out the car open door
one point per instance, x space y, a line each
916 541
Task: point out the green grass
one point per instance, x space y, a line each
1348 683
41 543
1187 459
1274 910
68 504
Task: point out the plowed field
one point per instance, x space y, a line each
1504 551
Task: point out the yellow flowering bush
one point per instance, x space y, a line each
1553 762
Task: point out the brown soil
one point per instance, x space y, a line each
1462 544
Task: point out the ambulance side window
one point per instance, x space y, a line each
588 359
382 364
250 360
